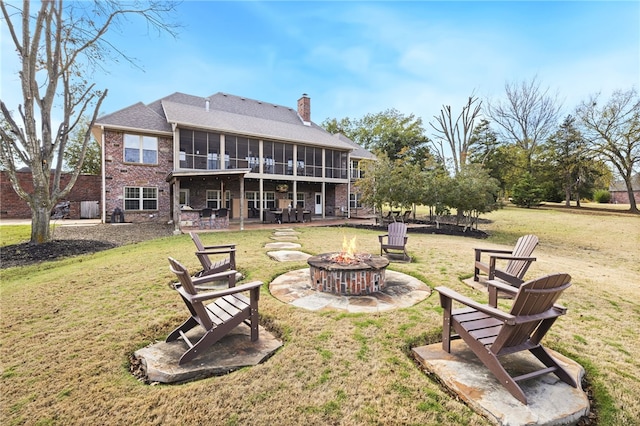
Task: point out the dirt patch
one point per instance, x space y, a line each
83 239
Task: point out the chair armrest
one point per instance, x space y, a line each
507 288
220 293
508 257
221 246
213 277
216 251
489 310
380 237
487 250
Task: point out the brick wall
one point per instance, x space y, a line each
87 188
119 174
622 197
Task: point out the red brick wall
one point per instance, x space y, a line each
87 188
118 175
622 197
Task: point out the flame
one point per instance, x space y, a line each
349 248
348 253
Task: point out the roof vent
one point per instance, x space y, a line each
206 104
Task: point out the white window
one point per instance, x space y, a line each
213 199
140 149
269 200
355 201
140 198
184 197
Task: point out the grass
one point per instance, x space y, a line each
69 326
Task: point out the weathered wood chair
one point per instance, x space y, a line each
491 333
229 309
204 254
518 261
396 239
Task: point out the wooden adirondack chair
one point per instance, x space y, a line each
491 333
518 261
229 309
210 267
396 239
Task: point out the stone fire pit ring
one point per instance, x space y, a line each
364 274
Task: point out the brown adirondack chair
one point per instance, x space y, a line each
491 333
229 309
518 261
396 239
406 216
204 254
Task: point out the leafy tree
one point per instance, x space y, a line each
526 192
57 45
565 149
473 192
386 182
612 130
458 135
389 132
91 164
527 116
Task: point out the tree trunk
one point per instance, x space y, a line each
41 216
632 200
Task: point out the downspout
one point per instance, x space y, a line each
103 193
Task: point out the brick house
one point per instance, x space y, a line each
83 197
619 194
184 153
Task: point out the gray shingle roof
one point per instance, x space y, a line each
136 117
227 113
358 153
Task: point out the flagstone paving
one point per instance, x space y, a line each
288 255
282 246
401 291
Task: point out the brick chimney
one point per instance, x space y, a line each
304 108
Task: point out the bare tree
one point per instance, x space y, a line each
613 132
528 115
458 134
56 46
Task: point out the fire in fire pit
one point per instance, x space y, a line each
347 273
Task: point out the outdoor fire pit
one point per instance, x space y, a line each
347 273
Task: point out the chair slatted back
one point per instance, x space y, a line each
186 288
397 231
524 248
204 259
534 298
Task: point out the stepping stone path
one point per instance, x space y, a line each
282 246
285 236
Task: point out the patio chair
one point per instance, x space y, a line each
300 214
491 333
204 254
406 216
518 261
229 309
396 239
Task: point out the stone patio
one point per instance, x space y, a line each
401 291
550 401
159 362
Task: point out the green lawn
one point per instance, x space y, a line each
69 326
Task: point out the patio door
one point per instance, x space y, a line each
318 209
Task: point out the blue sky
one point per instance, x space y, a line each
358 57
